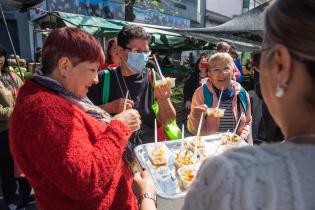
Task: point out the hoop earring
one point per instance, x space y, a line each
279 91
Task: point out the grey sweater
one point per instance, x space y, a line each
268 177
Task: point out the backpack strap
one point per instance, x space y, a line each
243 98
152 79
105 95
207 95
169 130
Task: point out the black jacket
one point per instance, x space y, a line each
190 86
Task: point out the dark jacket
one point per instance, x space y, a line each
190 86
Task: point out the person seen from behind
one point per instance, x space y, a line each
272 176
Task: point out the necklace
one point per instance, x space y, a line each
302 139
126 87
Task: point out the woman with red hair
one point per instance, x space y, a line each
71 151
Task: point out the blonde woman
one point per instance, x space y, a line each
235 100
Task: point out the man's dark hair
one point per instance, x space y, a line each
129 33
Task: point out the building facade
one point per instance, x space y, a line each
221 11
20 32
172 13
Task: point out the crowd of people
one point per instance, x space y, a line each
70 130
14 186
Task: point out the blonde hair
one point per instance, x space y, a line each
220 56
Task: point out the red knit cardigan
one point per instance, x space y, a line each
72 160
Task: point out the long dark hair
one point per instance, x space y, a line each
111 42
6 76
201 56
5 67
197 70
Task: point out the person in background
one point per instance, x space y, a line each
195 79
225 48
134 77
38 55
166 62
272 176
268 130
72 152
237 62
191 58
15 191
158 58
235 100
257 127
249 65
112 57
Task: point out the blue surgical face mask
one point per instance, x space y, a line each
137 61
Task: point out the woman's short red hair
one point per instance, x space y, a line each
74 43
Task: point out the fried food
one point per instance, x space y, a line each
216 112
157 155
227 138
169 82
184 158
187 176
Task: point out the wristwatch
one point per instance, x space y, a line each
149 195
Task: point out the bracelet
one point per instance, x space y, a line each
149 195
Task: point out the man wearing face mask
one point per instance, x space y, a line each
134 77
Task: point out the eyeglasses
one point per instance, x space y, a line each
147 53
226 69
